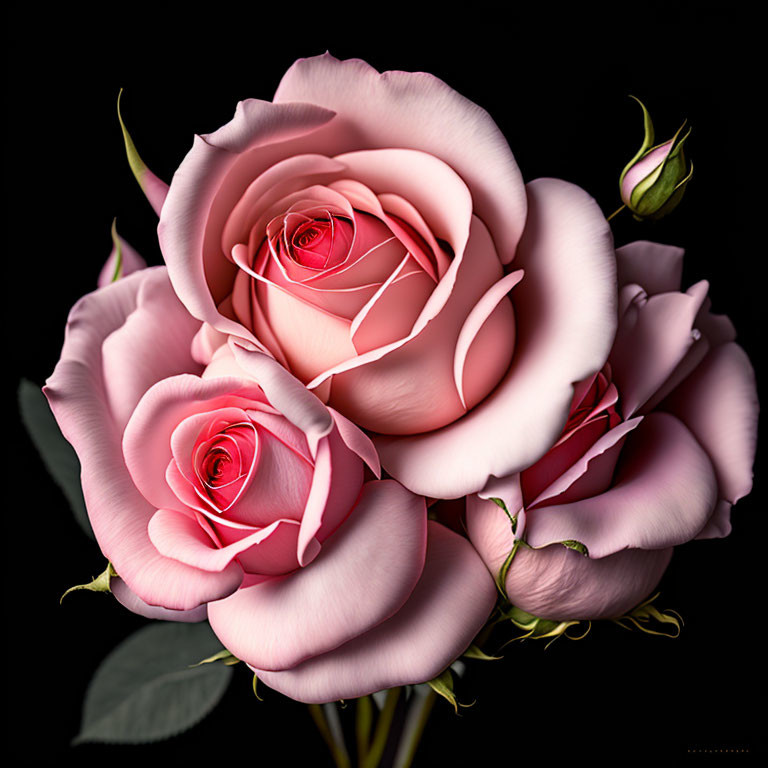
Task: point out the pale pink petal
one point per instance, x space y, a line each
364 574
206 341
449 605
204 190
118 512
181 538
357 441
470 340
657 268
135 355
719 525
718 403
560 584
273 556
130 260
664 492
565 311
134 603
416 111
655 334
286 393
379 391
584 473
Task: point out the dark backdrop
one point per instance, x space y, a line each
556 81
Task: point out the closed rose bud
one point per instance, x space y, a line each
653 182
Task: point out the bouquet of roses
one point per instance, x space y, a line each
364 315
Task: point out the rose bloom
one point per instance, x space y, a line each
373 233
232 491
658 446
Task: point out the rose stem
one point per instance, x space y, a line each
337 748
382 730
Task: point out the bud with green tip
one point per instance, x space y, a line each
653 182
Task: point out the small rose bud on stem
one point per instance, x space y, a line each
652 183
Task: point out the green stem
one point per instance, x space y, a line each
363 723
418 714
616 212
338 750
383 725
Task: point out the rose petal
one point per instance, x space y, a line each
134 603
364 574
445 611
417 111
204 189
657 268
654 336
118 512
718 403
559 584
565 309
664 492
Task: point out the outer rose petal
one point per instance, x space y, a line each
414 111
132 262
198 202
134 603
364 574
657 268
565 309
663 494
718 403
445 611
558 583
119 514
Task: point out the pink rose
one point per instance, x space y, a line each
233 487
659 445
362 228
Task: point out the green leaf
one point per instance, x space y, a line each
100 584
443 686
255 685
57 454
145 691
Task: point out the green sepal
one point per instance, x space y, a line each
501 576
138 166
647 140
254 685
673 201
442 685
576 546
118 273
99 584
473 652
650 194
224 656
537 628
646 613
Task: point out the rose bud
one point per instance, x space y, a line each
658 446
233 490
653 182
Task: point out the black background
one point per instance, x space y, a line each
556 81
